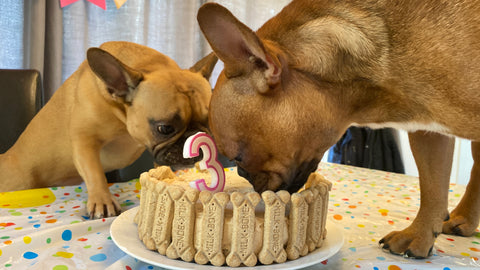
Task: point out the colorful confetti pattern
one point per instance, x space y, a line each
48 228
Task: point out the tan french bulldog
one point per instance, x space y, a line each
290 90
124 98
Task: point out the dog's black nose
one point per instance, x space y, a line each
302 174
244 174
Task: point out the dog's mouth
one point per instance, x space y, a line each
273 181
172 155
261 181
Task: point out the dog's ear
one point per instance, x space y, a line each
120 79
205 66
236 44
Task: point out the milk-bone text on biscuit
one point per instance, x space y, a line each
191 148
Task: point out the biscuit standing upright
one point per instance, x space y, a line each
274 227
183 223
242 247
297 229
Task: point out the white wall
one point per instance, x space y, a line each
462 159
462 162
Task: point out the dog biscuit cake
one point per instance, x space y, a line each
236 227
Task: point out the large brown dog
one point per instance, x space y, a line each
290 90
124 98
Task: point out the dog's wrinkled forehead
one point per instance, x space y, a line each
159 97
157 108
230 102
239 119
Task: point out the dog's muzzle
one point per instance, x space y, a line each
292 184
243 173
301 175
173 156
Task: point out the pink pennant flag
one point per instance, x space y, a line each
100 3
64 3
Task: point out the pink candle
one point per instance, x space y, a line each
191 148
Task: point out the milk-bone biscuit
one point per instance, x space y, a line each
182 223
274 225
161 230
297 245
236 227
242 249
212 228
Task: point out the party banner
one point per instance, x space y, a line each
100 3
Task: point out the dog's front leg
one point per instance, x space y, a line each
465 217
101 202
433 154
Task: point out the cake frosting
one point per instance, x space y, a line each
235 227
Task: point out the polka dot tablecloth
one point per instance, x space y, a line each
48 228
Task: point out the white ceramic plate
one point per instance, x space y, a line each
124 234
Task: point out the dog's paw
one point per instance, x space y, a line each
460 224
102 205
412 242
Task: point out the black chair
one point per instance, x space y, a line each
21 97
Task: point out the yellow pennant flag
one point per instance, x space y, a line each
119 3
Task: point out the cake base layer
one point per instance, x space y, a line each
235 227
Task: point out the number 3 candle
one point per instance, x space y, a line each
191 148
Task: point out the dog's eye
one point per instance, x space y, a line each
166 129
